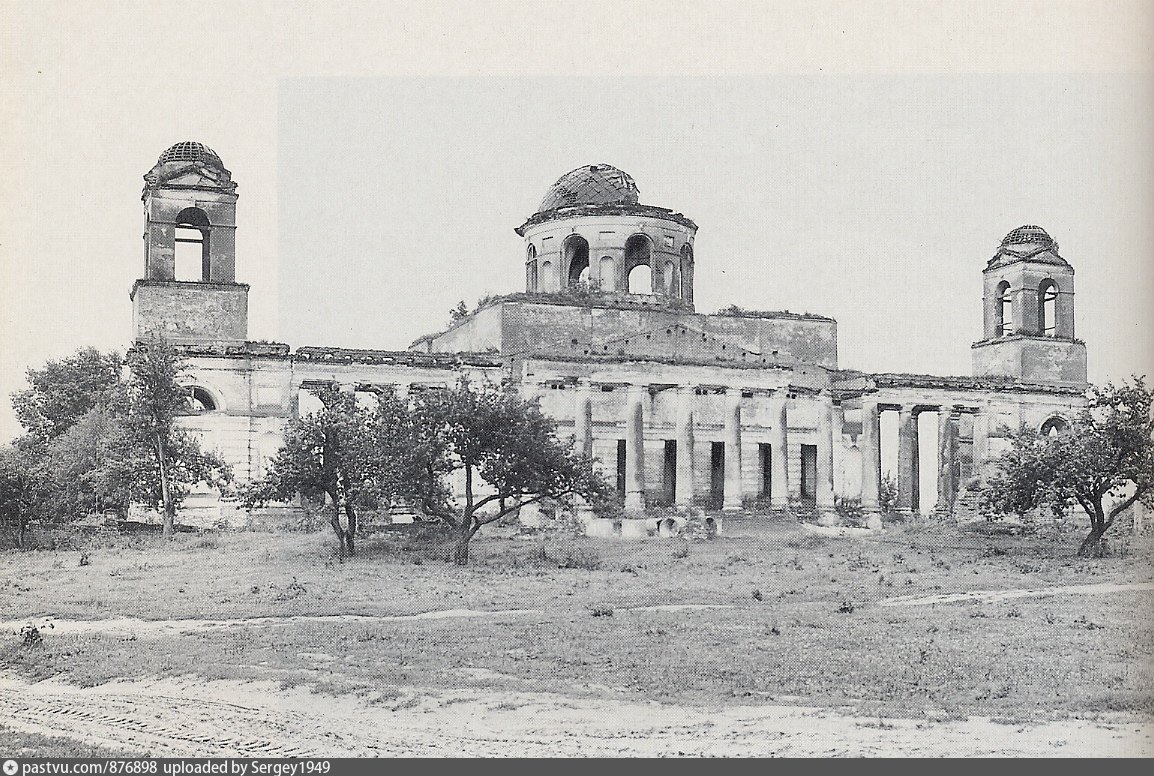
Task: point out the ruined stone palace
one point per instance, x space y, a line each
683 409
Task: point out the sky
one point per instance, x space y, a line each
860 160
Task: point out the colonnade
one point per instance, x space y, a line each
908 449
685 485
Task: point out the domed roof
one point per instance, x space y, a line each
190 151
1028 234
1027 242
593 184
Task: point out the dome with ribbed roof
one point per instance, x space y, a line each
1028 242
592 184
190 151
1028 234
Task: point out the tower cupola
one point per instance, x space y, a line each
592 233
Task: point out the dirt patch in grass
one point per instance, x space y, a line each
258 719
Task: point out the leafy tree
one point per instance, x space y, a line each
493 438
1108 451
409 449
163 459
92 465
62 391
325 454
21 488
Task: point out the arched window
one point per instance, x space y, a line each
1054 426
1005 310
576 261
200 401
1048 308
191 245
607 277
531 269
638 250
641 280
545 279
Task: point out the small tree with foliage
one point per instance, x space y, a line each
459 313
163 459
91 466
1107 452
506 451
326 454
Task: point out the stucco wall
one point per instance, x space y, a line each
190 312
570 330
1032 358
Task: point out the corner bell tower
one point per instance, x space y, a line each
1028 296
189 292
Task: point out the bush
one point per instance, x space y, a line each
579 558
888 495
849 510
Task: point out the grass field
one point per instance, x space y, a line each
798 619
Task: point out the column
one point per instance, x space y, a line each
824 495
981 441
779 449
684 489
839 483
947 456
732 500
635 449
870 455
907 461
583 419
583 437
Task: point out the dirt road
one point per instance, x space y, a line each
187 717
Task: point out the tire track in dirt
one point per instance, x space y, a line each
189 717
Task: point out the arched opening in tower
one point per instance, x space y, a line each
1005 310
1048 308
638 250
577 260
190 247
